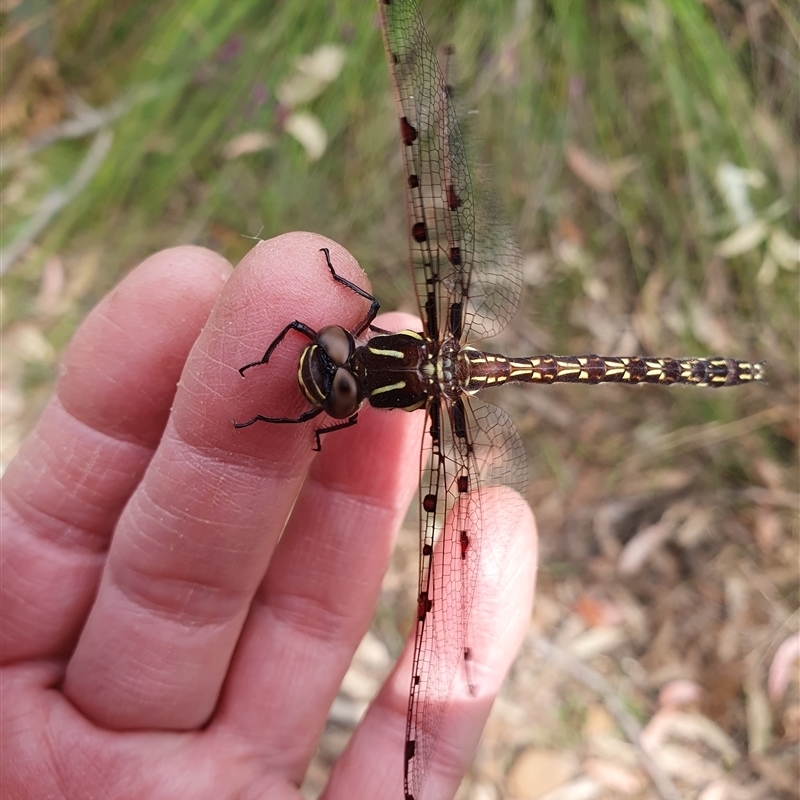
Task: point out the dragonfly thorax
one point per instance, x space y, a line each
449 369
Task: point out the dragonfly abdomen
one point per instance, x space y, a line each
493 369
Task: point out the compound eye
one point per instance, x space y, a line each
342 402
337 343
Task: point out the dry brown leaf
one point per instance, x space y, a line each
535 772
247 142
597 641
597 612
602 176
743 239
784 249
666 725
716 790
308 130
614 777
767 529
568 229
51 288
639 549
598 722
312 74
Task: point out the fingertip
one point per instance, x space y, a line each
120 371
500 616
287 278
280 281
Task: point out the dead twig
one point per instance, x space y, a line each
53 202
86 120
698 436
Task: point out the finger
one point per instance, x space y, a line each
63 493
372 765
321 588
194 542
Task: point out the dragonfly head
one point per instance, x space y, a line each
325 376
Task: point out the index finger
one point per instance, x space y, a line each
195 540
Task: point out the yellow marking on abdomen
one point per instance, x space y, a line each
566 368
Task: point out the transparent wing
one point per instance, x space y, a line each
470 447
466 264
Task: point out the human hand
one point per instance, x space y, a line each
180 599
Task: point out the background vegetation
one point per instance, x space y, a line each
647 155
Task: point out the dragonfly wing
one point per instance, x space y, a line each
438 188
470 449
466 265
496 283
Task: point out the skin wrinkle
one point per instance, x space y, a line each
63 770
112 435
59 772
296 615
351 498
223 456
295 611
339 503
19 578
306 641
120 432
107 316
25 724
43 526
329 629
145 508
298 664
184 291
231 470
148 661
178 613
69 551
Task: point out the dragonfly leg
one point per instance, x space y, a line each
304 417
331 428
297 326
374 305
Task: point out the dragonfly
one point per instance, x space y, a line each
466 268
